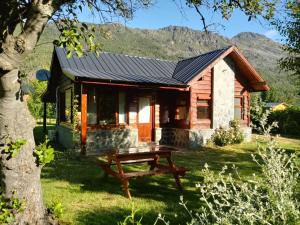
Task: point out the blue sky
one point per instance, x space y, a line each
165 12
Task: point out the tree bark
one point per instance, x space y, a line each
20 175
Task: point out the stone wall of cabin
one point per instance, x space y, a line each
189 138
105 139
223 93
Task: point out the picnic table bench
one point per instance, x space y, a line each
150 155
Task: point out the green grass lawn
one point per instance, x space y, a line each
89 198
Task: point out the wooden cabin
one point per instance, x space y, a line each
125 101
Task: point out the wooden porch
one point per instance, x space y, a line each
108 107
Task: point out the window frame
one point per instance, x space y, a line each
206 105
240 106
62 105
115 94
181 102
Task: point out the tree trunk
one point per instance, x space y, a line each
20 175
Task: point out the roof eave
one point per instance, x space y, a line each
112 82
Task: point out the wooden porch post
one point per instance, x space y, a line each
45 118
83 119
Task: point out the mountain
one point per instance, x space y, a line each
175 43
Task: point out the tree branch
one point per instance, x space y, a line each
205 27
16 48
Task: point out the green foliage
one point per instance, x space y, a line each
35 103
288 121
74 36
260 118
44 153
13 148
289 28
256 111
75 113
238 136
271 200
261 51
131 219
232 135
75 124
56 209
8 209
252 8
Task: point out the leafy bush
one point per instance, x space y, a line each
265 126
288 121
232 135
132 218
8 209
56 209
237 134
44 153
257 109
268 200
13 148
35 103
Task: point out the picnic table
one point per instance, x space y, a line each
150 155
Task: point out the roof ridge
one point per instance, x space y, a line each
141 57
219 49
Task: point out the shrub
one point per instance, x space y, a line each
56 209
237 134
269 200
288 121
44 153
13 148
9 207
256 111
232 135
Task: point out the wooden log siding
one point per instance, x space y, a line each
202 89
240 90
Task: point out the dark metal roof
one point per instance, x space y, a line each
187 69
125 68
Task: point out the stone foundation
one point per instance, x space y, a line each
64 136
182 137
172 136
101 140
186 138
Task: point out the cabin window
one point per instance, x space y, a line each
122 109
66 106
181 110
107 102
203 109
92 106
238 108
164 114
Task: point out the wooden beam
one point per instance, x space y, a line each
135 85
45 118
83 119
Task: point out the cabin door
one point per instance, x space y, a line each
145 118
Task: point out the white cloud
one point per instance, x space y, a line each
271 34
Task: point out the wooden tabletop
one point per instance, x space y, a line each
141 150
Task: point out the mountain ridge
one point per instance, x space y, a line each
175 43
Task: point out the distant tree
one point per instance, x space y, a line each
34 102
289 28
21 24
